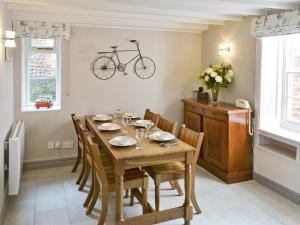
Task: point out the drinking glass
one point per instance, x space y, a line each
139 134
115 115
148 126
125 123
119 112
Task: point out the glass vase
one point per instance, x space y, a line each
215 95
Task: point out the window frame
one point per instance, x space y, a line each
285 122
26 105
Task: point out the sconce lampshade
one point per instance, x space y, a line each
10 34
9 39
225 50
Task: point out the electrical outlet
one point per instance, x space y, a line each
57 144
51 145
67 145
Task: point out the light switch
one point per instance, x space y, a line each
67 144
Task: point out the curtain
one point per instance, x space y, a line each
276 24
41 30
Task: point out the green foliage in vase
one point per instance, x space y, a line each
217 76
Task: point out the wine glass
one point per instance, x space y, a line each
125 123
119 112
148 126
115 115
139 134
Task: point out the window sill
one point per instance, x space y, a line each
34 109
280 133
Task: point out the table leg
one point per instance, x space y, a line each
187 201
119 198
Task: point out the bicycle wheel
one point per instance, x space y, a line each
144 68
104 68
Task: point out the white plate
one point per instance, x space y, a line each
102 117
122 141
132 115
162 136
109 127
141 123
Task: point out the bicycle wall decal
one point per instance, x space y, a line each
104 67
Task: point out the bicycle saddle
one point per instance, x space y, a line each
132 41
114 46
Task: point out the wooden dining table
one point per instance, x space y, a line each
152 153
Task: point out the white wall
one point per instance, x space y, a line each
243 46
177 57
6 96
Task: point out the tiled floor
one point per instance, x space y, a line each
50 197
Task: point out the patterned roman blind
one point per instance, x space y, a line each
276 24
41 30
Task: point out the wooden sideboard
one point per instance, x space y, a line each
226 150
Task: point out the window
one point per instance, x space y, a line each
41 74
280 82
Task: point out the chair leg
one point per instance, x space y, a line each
144 199
178 188
92 190
94 198
104 210
171 182
193 197
131 198
82 171
126 193
157 197
85 177
77 160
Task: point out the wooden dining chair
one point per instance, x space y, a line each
167 125
89 169
151 116
104 178
79 148
175 170
170 127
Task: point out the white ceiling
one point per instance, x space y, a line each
175 15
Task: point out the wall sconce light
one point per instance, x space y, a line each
225 50
9 42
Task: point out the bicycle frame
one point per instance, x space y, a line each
115 53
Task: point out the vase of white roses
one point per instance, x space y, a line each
215 77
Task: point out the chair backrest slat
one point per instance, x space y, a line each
192 138
75 122
167 125
151 116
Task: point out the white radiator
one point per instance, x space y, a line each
15 157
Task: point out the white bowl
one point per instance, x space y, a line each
102 117
122 141
141 123
162 136
109 127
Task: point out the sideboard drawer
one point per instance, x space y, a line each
216 115
194 109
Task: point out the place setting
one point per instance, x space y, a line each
165 139
102 118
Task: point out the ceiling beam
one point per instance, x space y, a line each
96 21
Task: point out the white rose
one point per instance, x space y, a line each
213 74
206 78
208 70
230 73
219 79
